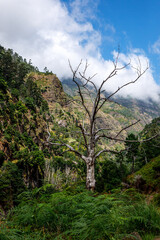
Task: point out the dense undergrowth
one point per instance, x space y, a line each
78 214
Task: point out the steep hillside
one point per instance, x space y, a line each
22 150
122 113
23 128
26 159
51 88
151 149
112 114
149 107
147 179
138 109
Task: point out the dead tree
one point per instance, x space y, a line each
90 132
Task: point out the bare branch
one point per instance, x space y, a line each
140 74
88 93
78 86
126 128
75 72
107 150
116 60
84 135
111 101
114 71
122 140
88 80
101 129
69 147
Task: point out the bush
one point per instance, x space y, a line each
3 85
157 199
109 175
30 103
15 93
2 157
11 184
21 107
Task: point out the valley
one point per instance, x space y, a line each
45 137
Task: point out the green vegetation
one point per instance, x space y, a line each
21 156
150 173
42 186
140 153
147 178
78 214
151 149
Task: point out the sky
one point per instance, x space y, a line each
49 32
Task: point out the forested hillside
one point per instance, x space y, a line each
43 192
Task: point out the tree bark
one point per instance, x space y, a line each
90 179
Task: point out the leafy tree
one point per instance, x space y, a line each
11 184
150 149
2 157
47 72
109 176
140 152
3 85
13 68
29 101
132 149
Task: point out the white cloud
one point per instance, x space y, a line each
155 48
145 87
142 89
46 32
82 10
109 27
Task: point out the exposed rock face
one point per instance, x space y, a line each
51 88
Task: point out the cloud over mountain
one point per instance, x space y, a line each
49 34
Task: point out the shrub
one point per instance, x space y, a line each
109 175
15 93
2 157
30 103
3 85
11 184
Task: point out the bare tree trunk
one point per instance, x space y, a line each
90 178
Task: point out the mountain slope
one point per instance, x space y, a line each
130 108
149 108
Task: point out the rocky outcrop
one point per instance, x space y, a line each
51 88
